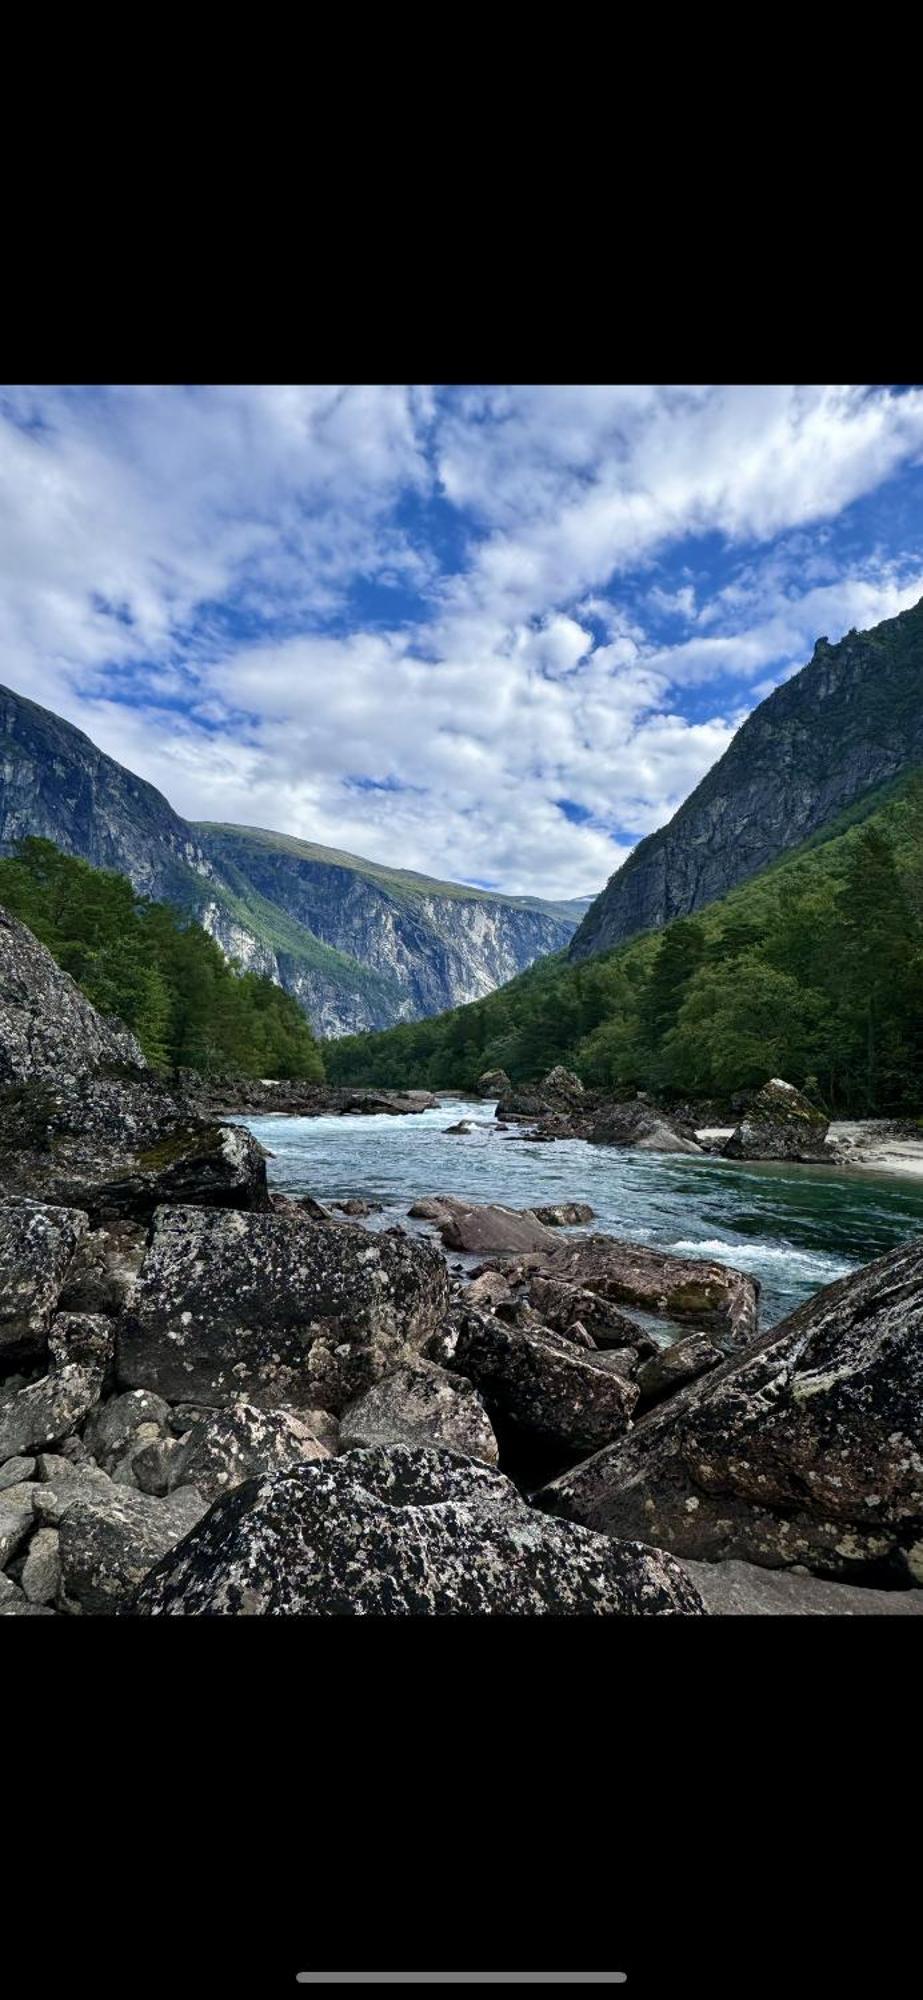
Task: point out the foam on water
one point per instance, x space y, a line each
795 1228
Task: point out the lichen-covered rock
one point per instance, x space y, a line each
806 1449
244 1443
545 1384
670 1367
402 1532
565 1214
40 1415
48 1028
275 1309
60 1483
113 1428
715 1297
16 1470
488 1289
150 1467
17 1519
41 1571
104 1269
779 1124
637 1122
109 1541
37 1246
80 1336
560 1085
743 1590
560 1303
421 1404
493 1083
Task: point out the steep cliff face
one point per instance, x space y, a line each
848 722
359 945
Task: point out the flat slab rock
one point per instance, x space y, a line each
716 1298
743 1590
804 1450
421 1404
402 1532
276 1308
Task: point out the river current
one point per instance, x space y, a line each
795 1228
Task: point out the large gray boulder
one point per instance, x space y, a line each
547 1385
743 1590
421 1404
275 1309
402 1532
37 1247
242 1443
804 1450
107 1542
714 1297
779 1124
488 1226
37 1417
49 1031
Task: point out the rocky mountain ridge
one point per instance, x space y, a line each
850 721
357 944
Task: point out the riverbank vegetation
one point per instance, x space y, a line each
157 969
812 971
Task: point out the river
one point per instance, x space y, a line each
795 1228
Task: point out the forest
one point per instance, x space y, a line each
813 970
157 969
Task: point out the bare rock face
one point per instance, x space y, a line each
109 1541
49 1031
804 1450
549 1386
37 1247
714 1297
670 1367
421 1404
275 1309
403 1532
780 1124
243 1443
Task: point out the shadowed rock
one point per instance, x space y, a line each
545 1383
803 1450
421 1404
402 1532
37 1247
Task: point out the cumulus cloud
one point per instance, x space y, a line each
420 624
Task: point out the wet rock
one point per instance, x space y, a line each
37 1246
743 1590
357 1205
579 1335
717 1298
780 1124
485 1227
421 1404
464 1125
805 1449
493 1083
308 1206
110 1541
245 1443
670 1367
565 1214
116 1427
41 1571
544 1383
15 1471
429 1208
37 1417
277 1309
561 1304
402 1532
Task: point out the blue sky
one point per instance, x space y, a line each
496 634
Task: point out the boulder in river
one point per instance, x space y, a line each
403 1532
560 1303
487 1226
565 1214
493 1083
275 1309
803 1450
780 1123
714 1297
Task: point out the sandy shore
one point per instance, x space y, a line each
866 1146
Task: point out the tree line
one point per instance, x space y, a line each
812 971
157 969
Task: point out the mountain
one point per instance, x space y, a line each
851 720
358 944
